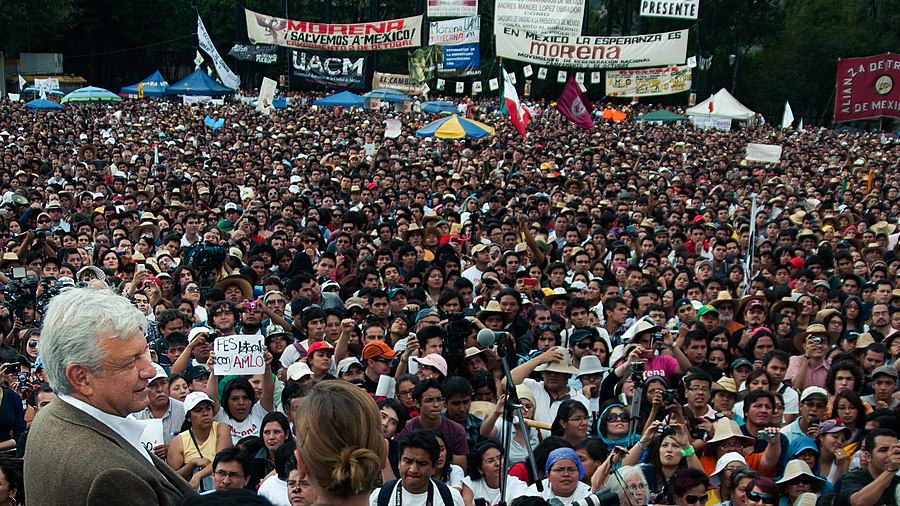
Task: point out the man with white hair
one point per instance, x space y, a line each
97 360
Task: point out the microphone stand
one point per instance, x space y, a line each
637 377
513 411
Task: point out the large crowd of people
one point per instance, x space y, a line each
681 326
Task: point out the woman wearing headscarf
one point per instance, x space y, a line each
612 427
563 482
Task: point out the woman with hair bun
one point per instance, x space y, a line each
340 446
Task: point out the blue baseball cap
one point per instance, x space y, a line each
394 291
425 313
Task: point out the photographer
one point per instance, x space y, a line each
12 414
663 449
758 408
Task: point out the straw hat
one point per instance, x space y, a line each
726 428
796 468
783 303
490 359
239 281
561 366
493 308
883 227
725 299
815 329
725 384
145 228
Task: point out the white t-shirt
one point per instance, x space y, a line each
275 491
457 475
249 427
581 491
544 408
480 490
417 499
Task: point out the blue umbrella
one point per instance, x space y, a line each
388 95
91 94
42 104
455 127
342 99
439 106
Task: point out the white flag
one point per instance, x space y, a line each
198 60
22 83
788 117
800 126
227 77
392 128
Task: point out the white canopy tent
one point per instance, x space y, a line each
722 105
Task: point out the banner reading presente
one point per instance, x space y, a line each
329 69
589 52
372 36
452 8
541 16
868 88
454 31
679 9
648 82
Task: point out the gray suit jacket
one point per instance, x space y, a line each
72 458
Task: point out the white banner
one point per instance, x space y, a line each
195 99
542 73
589 52
527 71
227 77
401 33
707 122
454 31
767 153
648 82
266 95
679 9
595 77
399 82
240 354
541 16
452 8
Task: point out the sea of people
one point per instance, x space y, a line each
681 325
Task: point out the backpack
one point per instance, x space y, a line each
387 490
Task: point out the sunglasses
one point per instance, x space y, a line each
547 326
757 497
618 417
694 499
802 480
584 345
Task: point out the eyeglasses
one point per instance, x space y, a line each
192 289
433 400
637 487
43 221
234 476
757 497
404 393
493 460
618 417
564 470
815 405
694 499
703 390
577 419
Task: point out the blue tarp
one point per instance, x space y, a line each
199 84
342 99
154 86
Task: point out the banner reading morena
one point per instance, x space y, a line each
454 31
329 69
648 82
583 52
868 88
373 36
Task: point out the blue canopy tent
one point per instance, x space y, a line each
439 106
154 85
42 103
342 99
388 95
199 84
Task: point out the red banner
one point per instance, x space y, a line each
868 88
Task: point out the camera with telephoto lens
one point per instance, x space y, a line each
41 233
205 258
670 396
456 331
637 373
665 430
603 497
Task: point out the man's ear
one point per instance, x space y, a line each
80 378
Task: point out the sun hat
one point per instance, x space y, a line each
433 360
724 460
796 468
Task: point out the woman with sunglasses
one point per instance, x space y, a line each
689 488
665 449
762 491
612 426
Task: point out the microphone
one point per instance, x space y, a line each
486 338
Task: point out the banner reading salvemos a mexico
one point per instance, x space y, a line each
582 52
374 36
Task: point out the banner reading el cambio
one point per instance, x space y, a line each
452 8
588 52
679 9
648 82
374 36
329 69
868 88
541 16
399 82
454 31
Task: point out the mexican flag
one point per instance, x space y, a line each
511 106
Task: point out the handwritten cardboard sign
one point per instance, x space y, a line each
240 354
153 433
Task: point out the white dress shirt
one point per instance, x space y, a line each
129 429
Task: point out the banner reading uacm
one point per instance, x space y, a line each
329 69
374 36
588 52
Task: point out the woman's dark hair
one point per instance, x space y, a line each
400 409
858 322
595 448
250 444
448 294
542 453
843 365
236 384
477 457
853 398
687 478
740 475
484 379
764 485
566 409
14 473
757 335
653 452
281 420
448 458
756 373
